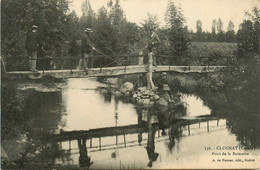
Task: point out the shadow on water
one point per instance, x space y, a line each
153 136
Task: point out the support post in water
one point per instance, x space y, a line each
189 129
208 125
124 141
100 143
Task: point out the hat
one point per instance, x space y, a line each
164 73
88 30
166 87
34 26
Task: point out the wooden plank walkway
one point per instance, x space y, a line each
115 71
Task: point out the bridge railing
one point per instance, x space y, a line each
102 61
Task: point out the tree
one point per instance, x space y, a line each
72 27
103 32
247 38
177 33
255 17
220 35
18 17
88 17
230 34
213 28
113 33
199 30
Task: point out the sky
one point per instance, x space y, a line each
193 10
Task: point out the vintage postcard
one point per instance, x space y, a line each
130 84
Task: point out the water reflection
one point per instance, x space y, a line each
84 159
87 109
246 129
99 130
152 155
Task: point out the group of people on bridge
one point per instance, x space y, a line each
32 46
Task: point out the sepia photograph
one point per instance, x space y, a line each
130 84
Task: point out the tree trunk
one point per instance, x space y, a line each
149 75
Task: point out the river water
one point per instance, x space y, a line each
84 104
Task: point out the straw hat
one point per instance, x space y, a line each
34 27
166 87
88 30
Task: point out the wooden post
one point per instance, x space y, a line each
208 125
124 141
189 129
199 124
116 139
44 60
125 64
217 122
3 68
100 143
92 61
149 75
101 64
90 143
208 63
140 58
71 62
69 144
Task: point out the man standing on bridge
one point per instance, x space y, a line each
153 42
154 39
31 46
86 48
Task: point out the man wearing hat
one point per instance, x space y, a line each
154 40
86 48
162 81
31 46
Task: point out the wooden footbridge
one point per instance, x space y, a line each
120 66
115 71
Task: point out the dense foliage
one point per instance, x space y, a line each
60 33
240 81
17 19
177 31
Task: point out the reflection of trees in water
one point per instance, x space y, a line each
246 129
240 109
44 113
37 115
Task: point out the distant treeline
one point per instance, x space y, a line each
217 33
59 31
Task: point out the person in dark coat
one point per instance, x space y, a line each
31 46
86 48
